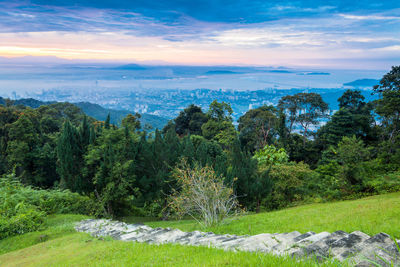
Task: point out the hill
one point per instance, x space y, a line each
96 111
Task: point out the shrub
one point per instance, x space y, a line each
288 183
270 155
25 220
385 183
23 208
202 195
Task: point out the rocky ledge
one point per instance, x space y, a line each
356 248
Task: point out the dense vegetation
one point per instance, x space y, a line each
276 157
24 209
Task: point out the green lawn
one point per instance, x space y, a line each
371 215
65 247
59 245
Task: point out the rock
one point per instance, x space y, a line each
320 249
346 247
380 249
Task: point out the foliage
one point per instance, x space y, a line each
288 183
258 127
388 108
190 120
202 194
23 209
111 162
305 109
220 111
128 170
270 155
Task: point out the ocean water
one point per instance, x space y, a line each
25 81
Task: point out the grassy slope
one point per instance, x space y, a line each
68 248
65 247
371 215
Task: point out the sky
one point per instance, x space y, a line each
319 33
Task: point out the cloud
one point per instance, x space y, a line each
217 31
369 17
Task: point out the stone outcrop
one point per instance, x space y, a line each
356 248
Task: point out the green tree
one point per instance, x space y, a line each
258 127
190 120
353 118
351 153
270 155
220 111
112 158
388 108
69 155
131 122
306 109
107 122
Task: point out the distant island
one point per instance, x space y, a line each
130 67
280 71
314 73
362 83
221 72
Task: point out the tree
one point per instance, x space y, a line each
258 127
388 107
290 104
131 122
305 109
242 168
107 122
202 194
312 108
219 126
220 111
270 155
190 120
352 100
353 118
111 161
69 155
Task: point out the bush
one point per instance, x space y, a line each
25 220
202 195
288 183
13 192
23 208
385 183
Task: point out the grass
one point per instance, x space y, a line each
54 227
65 247
62 246
371 215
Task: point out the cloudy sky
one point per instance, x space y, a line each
318 33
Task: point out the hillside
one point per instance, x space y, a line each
96 111
64 246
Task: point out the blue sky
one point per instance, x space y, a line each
337 34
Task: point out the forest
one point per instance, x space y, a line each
277 156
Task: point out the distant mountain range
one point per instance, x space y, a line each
98 112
